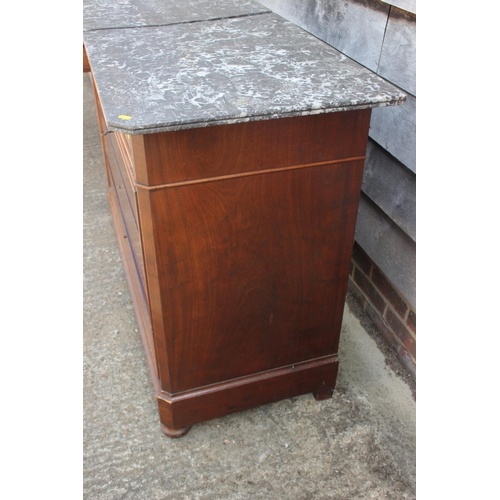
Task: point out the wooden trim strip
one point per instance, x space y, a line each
249 379
247 174
181 410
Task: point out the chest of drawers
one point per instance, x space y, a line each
236 220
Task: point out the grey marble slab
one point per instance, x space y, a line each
102 14
226 71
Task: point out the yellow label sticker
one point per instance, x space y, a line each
125 117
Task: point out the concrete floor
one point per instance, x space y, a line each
359 444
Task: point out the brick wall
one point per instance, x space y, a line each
391 313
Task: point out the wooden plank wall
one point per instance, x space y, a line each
394 128
381 35
347 25
378 235
407 5
391 187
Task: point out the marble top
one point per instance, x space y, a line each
225 71
102 14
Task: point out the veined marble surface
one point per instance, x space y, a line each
99 14
225 71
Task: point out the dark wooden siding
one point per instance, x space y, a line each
381 35
391 187
398 56
394 129
355 27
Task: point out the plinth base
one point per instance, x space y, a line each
178 412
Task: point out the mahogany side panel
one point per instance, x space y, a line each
228 149
246 233
251 272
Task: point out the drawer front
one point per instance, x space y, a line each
123 176
127 201
124 143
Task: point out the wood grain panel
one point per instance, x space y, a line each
156 312
252 272
229 149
